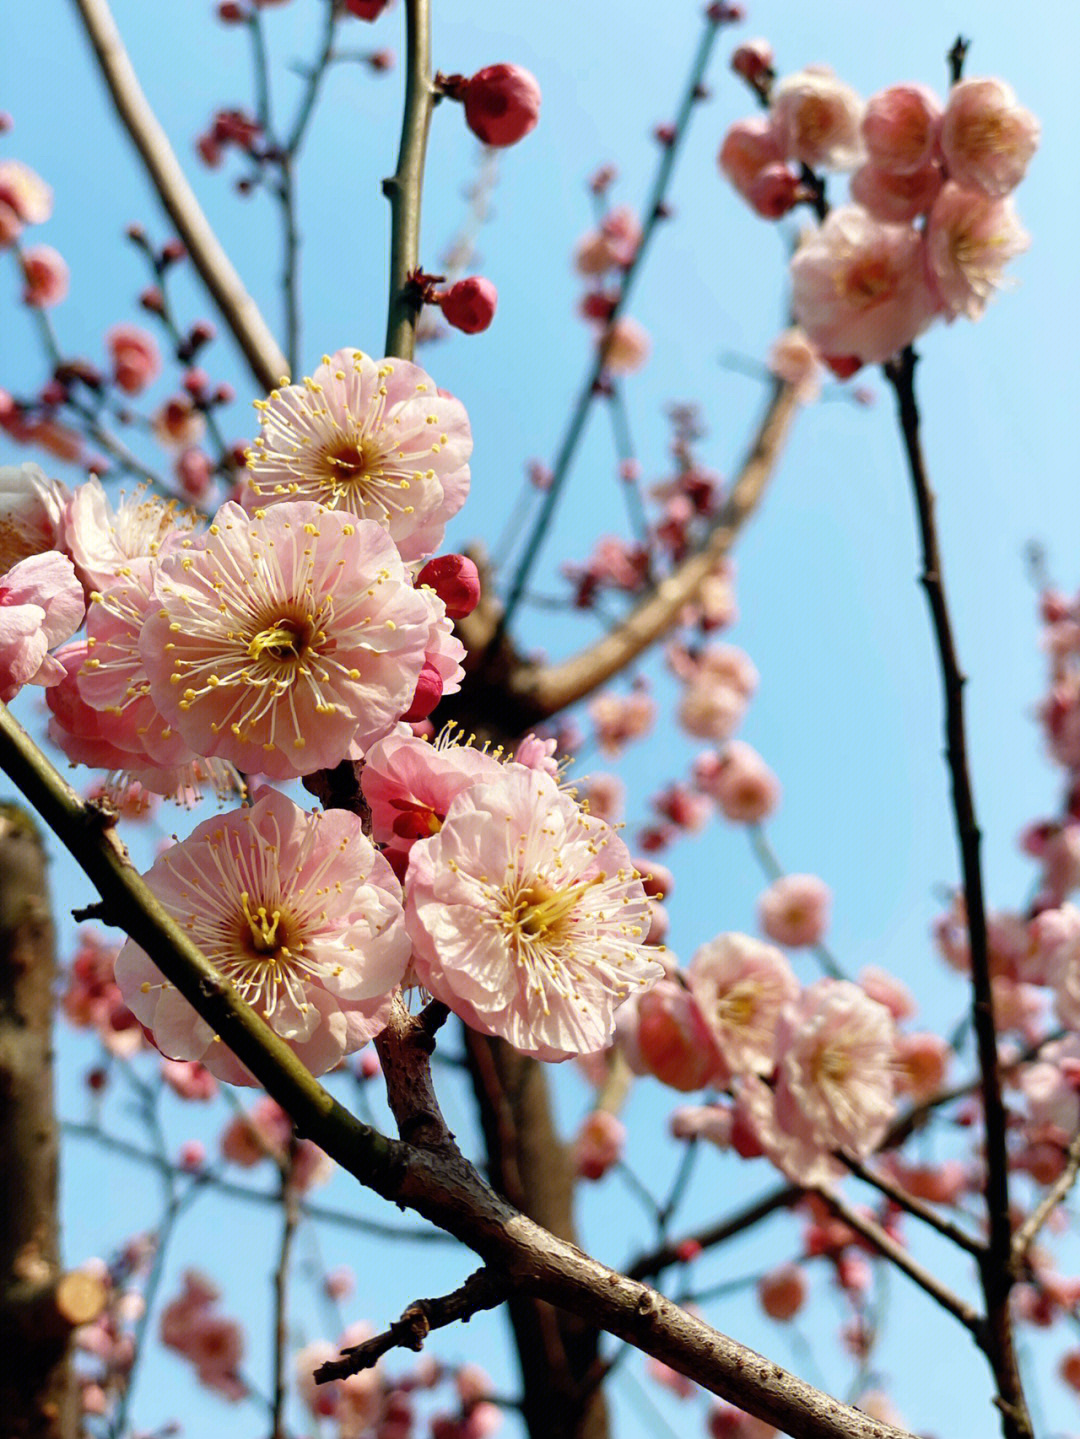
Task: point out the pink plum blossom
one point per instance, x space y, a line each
889 991
620 718
900 128
46 274
834 1082
740 782
741 987
178 424
31 513
104 538
599 1144
286 637
626 345
921 1064
816 118
410 785
987 138
527 917
794 910
265 1131
41 605
793 359
299 911
752 158
373 437
970 237
893 198
752 60
24 192
672 1040
212 1343
135 356
858 286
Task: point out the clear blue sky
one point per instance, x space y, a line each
848 710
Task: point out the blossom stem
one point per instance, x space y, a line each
290 1218
403 188
997 1269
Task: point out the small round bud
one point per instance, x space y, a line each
366 9
469 304
502 104
456 581
230 13
172 251
429 688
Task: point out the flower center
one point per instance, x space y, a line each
262 928
285 640
350 462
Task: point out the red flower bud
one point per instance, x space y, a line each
469 305
456 581
502 104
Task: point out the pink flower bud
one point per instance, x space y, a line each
429 690
469 304
599 1144
752 60
673 1039
135 357
502 104
794 910
626 346
192 1155
194 472
782 1293
900 128
46 274
456 581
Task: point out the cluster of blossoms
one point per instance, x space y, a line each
930 225
25 199
306 624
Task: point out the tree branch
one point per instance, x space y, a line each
1028 1232
997 1269
403 188
483 1290
236 307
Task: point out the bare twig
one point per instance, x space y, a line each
886 1245
996 1268
1026 1235
289 1201
915 1207
236 307
483 1290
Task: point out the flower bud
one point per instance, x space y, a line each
456 581
469 305
502 104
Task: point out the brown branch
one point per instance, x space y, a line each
647 1266
404 186
997 1270
483 1290
235 306
552 688
887 1246
915 1207
290 1204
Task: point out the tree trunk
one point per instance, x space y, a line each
37 1394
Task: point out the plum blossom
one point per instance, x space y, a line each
621 718
286 637
987 137
671 1039
794 910
299 911
740 782
46 274
858 286
900 128
741 987
894 198
31 513
373 437
834 1082
527 917
104 538
816 119
599 1144
782 1292
970 237
793 359
41 605
135 356
24 192
212 1343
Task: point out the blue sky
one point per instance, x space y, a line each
848 710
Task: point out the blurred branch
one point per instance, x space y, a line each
1028 1232
236 307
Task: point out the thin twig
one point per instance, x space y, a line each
236 307
485 1289
915 1207
996 1269
1026 1235
649 1265
885 1244
288 1199
653 213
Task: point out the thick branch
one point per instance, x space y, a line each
236 307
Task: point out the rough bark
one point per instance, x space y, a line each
37 1397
